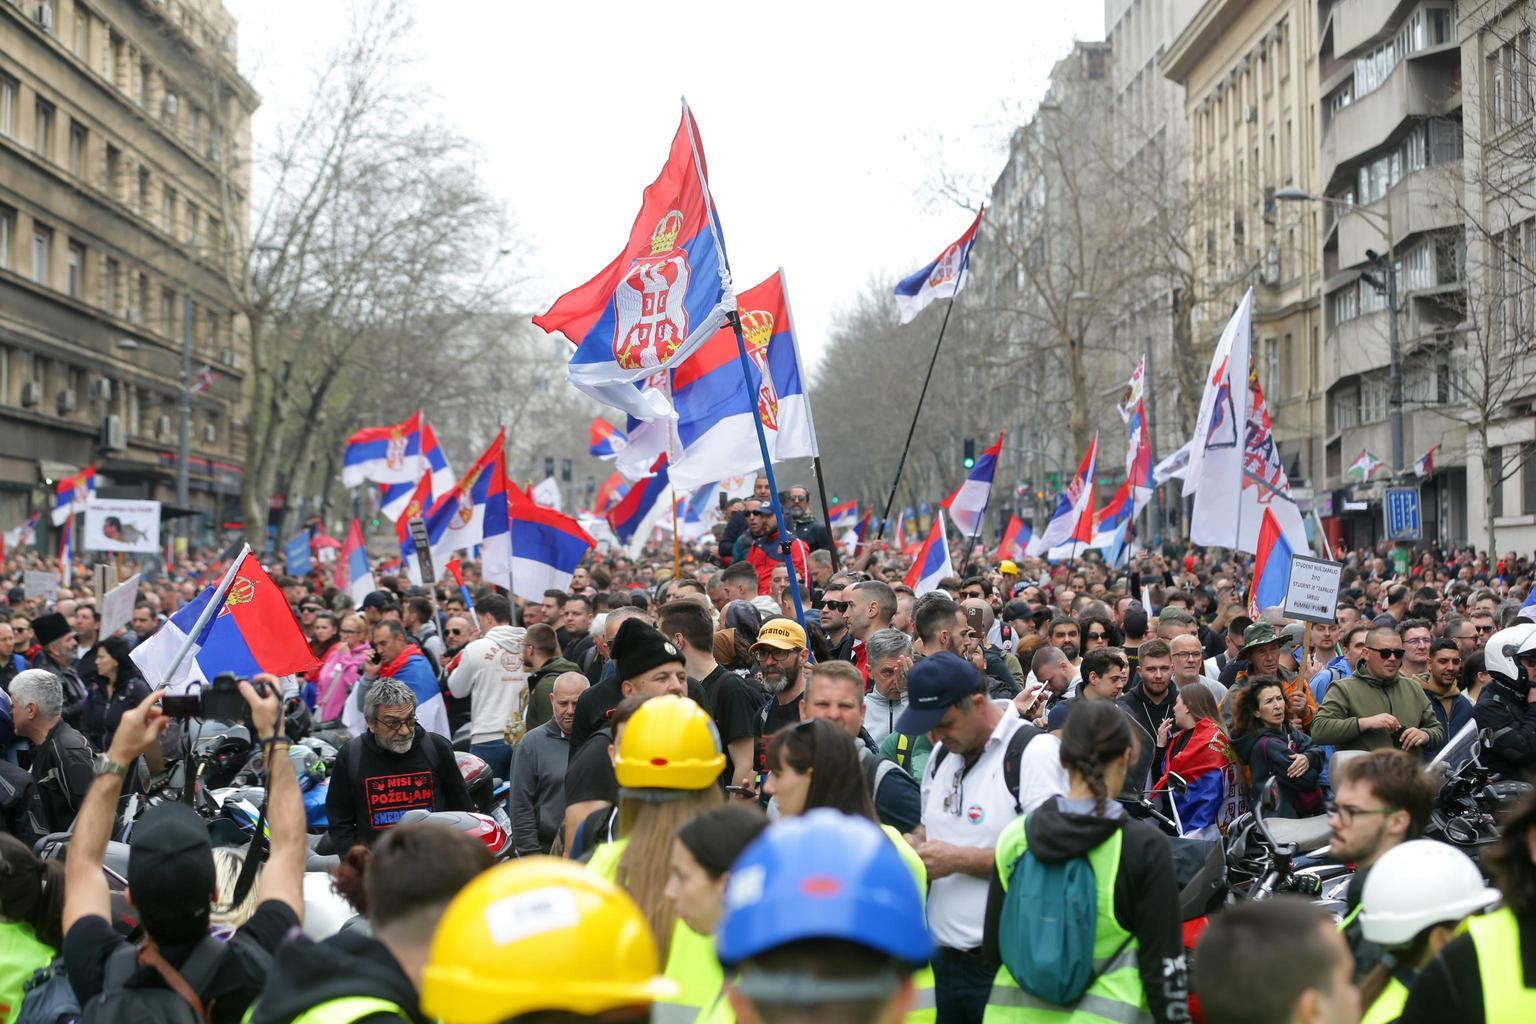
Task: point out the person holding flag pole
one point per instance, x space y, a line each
942 277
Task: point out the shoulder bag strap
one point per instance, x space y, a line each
149 956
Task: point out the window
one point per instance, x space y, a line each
168 312
141 300
142 200
1341 99
213 331
141 84
77 149
1271 365
119 71
195 127
109 285
1528 478
1496 459
7 106
194 224
1344 305
1372 69
42 130
1419 268
7 232
168 210
75 267
168 109
114 170
42 242
1374 393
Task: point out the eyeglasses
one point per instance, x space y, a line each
1098 636
797 499
1197 655
1483 629
397 724
1389 652
457 632
759 512
1347 813
836 606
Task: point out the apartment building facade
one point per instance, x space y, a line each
124 162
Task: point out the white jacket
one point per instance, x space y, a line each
492 676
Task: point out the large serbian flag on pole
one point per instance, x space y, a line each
475 510
940 279
1073 518
968 504
394 497
666 291
546 547
1271 566
932 563
72 493
385 455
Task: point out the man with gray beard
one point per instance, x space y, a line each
394 767
780 651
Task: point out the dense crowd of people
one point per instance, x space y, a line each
965 805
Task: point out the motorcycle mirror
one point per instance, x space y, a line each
1270 795
1177 783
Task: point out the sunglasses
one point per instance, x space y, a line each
836 606
1097 636
1389 652
457 632
759 512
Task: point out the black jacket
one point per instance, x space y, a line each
69 680
1146 895
1268 753
21 809
372 787
1146 716
62 766
306 973
1500 708
103 711
815 535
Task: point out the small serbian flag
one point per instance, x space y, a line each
932 562
940 279
385 455
455 571
967 506
666 291
639 505
845 516
67 552
251 630
394 497
1424 465
1271 566
353 574
72 493
19 537
1015 536
606 440
547 546
609 493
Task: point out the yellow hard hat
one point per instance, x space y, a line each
540 933
668 743
1007 568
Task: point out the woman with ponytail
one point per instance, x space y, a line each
31 914
1137 961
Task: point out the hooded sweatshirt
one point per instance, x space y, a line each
881 712
491 675
1146 892
305 974
1361 696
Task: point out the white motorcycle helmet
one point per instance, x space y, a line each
1500 654
1397 904
325 912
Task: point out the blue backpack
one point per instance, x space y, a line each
48 998
1049 922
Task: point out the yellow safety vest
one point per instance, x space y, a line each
21 955
691 960
925 1009
1116 995
344 1010
1496 937
1388 1006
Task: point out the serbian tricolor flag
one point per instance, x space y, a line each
475 510
855 539
605 439
1271 567
455 571
251 630
1424 465
18 537
72 493
416 507
932 562
639 506
385 455
717 411
1073 519
352 573
394 497
968 504
547 546
844 516
940 279
67 552
1117 511
1015 537
666 291
609 492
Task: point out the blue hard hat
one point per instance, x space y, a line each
823 875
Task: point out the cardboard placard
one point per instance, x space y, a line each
1312 590
120 524
117 606
41 584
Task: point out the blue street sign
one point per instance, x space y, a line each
296 555
1405 520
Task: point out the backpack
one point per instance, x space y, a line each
177 1002
1049 922
1021 738
48 998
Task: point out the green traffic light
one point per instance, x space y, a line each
970 463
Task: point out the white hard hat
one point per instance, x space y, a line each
1502 647
1418 884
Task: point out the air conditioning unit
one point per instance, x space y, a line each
43 14
102 390
67 401
113 436
31 393
163 430
210 433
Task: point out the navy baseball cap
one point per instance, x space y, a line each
934 685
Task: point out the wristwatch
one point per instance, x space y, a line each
104 765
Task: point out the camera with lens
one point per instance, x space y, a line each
219 700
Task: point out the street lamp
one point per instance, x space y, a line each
1383 264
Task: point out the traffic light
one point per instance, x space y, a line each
549 465
565 471
970 453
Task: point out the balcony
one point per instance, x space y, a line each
1422 201
1419 86
1356 346
1358 23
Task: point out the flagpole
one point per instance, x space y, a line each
677 554
733 317
209 610
821 483
927 378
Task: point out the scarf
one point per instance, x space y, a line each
391 668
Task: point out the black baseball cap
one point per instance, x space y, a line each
380 599
934 685
170 865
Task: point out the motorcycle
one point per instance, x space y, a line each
488 793
1470 802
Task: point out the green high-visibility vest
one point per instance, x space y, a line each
1496 937
344 1010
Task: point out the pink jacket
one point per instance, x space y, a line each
338 673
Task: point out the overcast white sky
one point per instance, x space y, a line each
826 124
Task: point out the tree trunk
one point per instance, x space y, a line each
1189 367
1077 383
1491 474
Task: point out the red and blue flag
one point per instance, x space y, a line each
394 497
1271 566
352 572
605 439
1015 538
967 506
72 493
474 511
662 296
547 546
939 279
609 493
932 563
844 515
385 455
639 505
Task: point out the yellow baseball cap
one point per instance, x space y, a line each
1007 568
781 634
